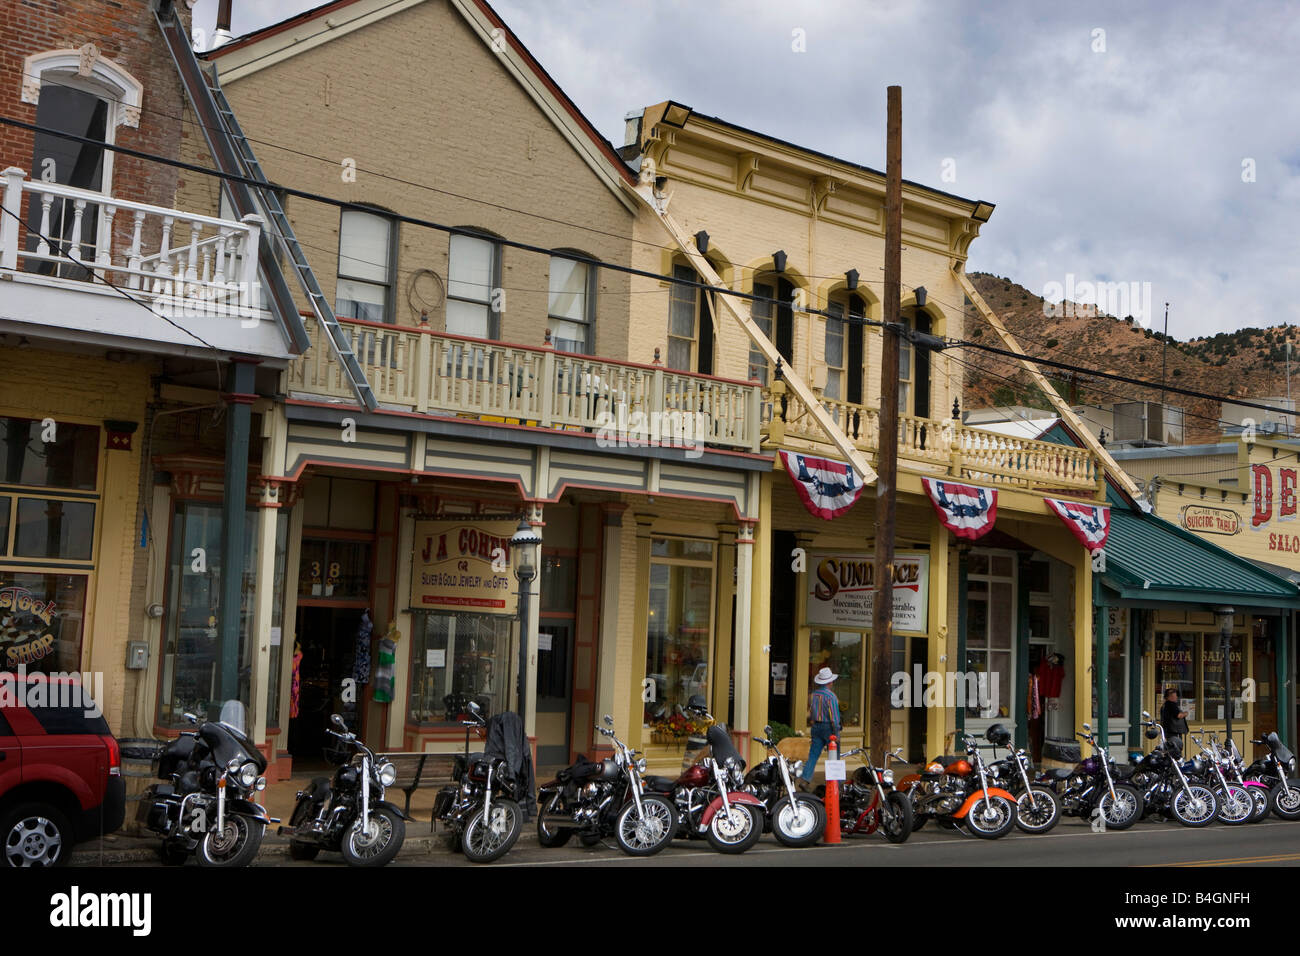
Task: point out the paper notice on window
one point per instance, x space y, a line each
835 770
275 637
778 687
435 657
544 642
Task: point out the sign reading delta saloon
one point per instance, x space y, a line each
1273 499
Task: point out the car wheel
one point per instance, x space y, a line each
34 835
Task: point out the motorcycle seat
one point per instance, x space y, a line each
659 784
1056 773
583 770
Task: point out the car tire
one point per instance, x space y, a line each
34 835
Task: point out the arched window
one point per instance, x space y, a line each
475 298
690 323
773 312
844 347
571 310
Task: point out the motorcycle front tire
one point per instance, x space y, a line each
1039 815
236 847
991 829
896 821
1236 799
1262 803
1286 806
798 822
480 846
1133 797
1181 804
636 841
357 853
735 834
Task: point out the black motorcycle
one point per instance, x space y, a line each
597 800
1093 790
869 802
1273 769
207 808
329 814
481 811
1037 810
795 818
1166 788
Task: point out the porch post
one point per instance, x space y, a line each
268 513
959 712
1101 658
936 717
757 650
239 399
1137 639
1083 655
1285 692
612 595
1020 692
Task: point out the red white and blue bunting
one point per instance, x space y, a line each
826 488
968 511
1089 523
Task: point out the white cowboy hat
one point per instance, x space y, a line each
824 676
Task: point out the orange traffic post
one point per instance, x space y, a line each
832 834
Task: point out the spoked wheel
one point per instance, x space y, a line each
377 844
1195 807
485 841
1124 809
896 818
735 830
1236 806
647 832
1286 803
991 817
1260 796
1037 810
798 822
235 845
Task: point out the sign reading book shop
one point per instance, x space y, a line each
842 591
463 566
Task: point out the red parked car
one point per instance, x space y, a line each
60 771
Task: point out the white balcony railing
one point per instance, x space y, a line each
624 403
170 259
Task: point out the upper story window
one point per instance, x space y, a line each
690 324
843 352
571 311
914 369
366 266
773 312
474 294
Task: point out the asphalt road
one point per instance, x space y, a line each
1072 843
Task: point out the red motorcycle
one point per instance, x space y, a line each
708 795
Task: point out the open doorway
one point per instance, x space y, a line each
327 638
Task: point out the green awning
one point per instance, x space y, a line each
1151 559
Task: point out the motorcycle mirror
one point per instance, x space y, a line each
609 720
1146 714
1087 726
337 721
191 718
472 706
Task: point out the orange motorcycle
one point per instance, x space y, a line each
953 790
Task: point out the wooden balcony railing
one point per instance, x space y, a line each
419 370
948 448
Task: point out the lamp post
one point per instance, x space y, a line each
1224 617
521 544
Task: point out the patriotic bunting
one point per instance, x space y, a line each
968 511
826 488
1089 523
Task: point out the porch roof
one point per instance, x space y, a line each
1149 559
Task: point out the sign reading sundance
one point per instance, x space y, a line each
463 565
842 591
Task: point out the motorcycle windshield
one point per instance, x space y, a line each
720 742
228 739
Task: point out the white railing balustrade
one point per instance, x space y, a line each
177 262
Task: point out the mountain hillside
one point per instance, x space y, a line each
1247 363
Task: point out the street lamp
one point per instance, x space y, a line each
521 544
1223 616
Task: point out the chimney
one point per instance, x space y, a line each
632 128
222 35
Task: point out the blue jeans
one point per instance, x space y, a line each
820 732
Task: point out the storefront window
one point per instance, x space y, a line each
1117 662
457 658
42 619
1175 669
990 631
842 652
192 655
51 528
680 625
49 454
1212 676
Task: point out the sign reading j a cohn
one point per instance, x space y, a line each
1210 520
463 566
842 590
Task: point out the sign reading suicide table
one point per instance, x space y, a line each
463 566
842 590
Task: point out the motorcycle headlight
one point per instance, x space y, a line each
887 777
387 775
261 784
233 764
641 765
1290 765
247 775
795 767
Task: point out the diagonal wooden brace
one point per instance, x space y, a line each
1063 409
742 316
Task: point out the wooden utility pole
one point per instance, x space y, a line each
882 630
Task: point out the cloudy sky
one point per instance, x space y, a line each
1138 143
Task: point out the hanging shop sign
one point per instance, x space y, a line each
968 511
826 488
463 566
842 591
1209 520
1089 523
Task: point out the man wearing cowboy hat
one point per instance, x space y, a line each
823 721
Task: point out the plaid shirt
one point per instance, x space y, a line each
824 706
